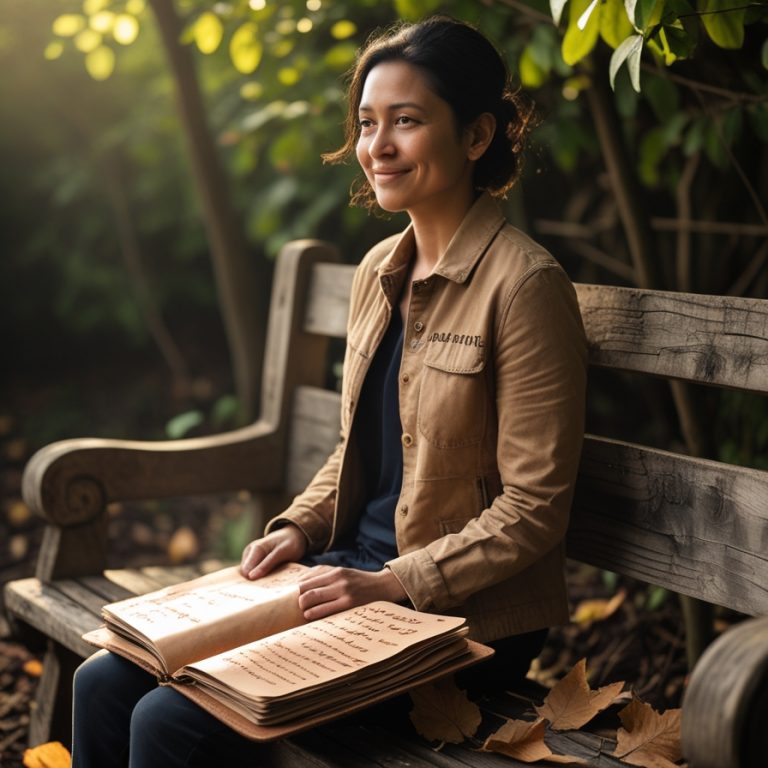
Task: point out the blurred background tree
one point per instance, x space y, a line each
139 237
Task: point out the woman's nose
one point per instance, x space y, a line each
381 144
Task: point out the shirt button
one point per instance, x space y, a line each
418 326
406 440
403 509
405 378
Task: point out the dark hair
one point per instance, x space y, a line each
466 71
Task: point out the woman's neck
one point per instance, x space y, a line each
433 232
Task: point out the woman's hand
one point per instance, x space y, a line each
326 590
260 557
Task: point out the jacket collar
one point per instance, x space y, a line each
483 220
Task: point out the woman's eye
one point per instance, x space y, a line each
404 120
364 123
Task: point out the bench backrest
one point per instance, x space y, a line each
694 526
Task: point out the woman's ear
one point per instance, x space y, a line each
480 134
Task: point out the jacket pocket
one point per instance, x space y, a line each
452 398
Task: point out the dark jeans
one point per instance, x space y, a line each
122 718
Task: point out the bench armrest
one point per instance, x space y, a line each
71 482
726 704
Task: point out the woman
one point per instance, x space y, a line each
462 401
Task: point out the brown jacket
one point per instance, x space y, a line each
492 384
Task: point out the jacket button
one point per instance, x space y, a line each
407 440
403 509
405 378
418 326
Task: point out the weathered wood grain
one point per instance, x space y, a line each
314 432
53 613
721 340
328 300
725 707
694 526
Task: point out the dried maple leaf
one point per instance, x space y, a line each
442 712
51 755
572 703
648 738
524 741
588 611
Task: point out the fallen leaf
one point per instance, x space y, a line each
442 712
648 738
50 755
588 611
33 668
572 703
524 741
183 545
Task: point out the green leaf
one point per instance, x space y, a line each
662 95
652 149
544 47
615 25
531 74
656 597
758 117
764 54
648 13
694 137
630 51
724 22
180 425
577 42
225 412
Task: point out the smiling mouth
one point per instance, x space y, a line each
385 176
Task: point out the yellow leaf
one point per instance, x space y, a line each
94 6
571 703
17 511
615 25
288 75
208 32
588 611
524 741
648 738
50 755
126 29
442 712
33 668
341 30
531 74
183 545
135 7
53 51
68 25
103 21
245 48
100 62
87 41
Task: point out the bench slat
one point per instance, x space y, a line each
47 609
693 526
328 300
314 432
721 340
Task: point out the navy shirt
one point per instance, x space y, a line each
379 429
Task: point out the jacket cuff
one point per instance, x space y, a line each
422 580
310 523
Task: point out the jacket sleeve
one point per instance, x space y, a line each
539 359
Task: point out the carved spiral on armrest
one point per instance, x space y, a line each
725 709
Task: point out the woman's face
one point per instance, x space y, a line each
409 146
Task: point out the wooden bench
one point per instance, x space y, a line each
696 527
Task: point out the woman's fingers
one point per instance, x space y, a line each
327 590
262 556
